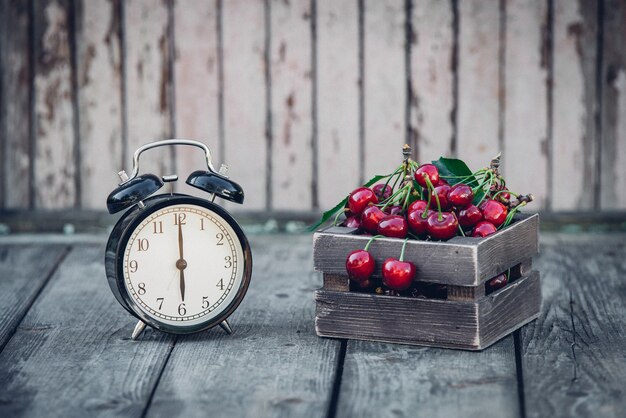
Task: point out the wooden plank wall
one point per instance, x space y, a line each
306 99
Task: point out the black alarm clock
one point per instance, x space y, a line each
178 263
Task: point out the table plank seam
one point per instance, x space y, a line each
146 409
36 295
519 373
336 388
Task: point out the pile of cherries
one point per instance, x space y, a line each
417 202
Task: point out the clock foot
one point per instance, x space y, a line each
138 330
226 327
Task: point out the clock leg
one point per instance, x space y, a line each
138 330
226 327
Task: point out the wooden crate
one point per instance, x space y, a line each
464 318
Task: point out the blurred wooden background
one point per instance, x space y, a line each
306 99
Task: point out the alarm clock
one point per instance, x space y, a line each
178 263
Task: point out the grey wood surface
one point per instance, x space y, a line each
273 364
574 355
25 270
71 354
385 380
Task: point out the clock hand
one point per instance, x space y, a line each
181 263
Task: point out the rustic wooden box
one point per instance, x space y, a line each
465 318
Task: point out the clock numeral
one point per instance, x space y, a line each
158 227
143 244
205 302
220 284
201 224
181 309
179 218
160 304
133 266
228 262
141 288
220 238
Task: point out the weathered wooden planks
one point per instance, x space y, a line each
384 85
15 121
197 87
613 146
149 103
478 81
25 270
461 261
395 380
99 77
72 356
54 157
292 128
337 99
432 79
573 355
526 99
471 324
574 103
245 97
273 364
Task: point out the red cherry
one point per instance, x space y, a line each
469 216
442 229
360 198
417 205
428 170
442 194
360 265
352 222
441 182
483 229
461 195
393 210
371 217
497 282
393 226
494 212
417 223
398 275
381 191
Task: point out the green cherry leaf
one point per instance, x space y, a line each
455 171
330 213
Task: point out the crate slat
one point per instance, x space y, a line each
461 261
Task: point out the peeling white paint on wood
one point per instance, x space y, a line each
337 100
99 100
196 77
244 97
432 78
478 106
54 151
385 85
149 104
292 127
526 100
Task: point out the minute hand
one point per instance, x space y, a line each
181 263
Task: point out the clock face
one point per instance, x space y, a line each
183 265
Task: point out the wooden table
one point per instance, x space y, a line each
66 351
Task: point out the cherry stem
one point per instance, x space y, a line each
510 215
392 198
406 199
391 176
403 248
461 229
367 246
337 216
432 191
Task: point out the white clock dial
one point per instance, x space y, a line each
183 265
